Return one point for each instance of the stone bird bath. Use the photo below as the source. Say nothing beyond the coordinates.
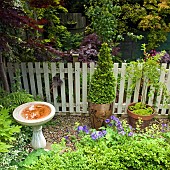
(35, 114)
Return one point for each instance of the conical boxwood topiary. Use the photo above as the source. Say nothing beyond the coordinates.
(102, 85)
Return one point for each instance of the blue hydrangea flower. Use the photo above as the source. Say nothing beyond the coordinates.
(114, 118)
(119, 126)
(66, 137)
(110, 124)
(130, 127)
(164, 124)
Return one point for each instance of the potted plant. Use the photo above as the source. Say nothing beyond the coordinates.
(146, 71)
(102, 88)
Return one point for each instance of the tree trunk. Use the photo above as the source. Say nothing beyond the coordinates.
(3, 75)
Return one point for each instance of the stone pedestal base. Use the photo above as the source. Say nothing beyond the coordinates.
(38, 139)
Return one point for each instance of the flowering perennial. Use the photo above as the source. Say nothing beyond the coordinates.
(112, 122)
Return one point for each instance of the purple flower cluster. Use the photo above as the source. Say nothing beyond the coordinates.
(98, 134)
(94, 135)
(164, 127)
(83, 129)
(118, 125)
(164, 59)
(113, 121)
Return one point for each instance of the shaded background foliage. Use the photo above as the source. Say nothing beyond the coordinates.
(31, 30)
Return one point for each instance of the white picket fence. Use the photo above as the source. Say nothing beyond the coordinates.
(66, 85)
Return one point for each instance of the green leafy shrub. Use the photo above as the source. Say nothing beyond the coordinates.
(7, 130)
(104, 19)
(102, 85)
(13, 100)
(113, 147)
(10, 160)
(147, 72)
(32, 158)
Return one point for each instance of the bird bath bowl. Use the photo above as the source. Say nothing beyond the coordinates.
(35, 114)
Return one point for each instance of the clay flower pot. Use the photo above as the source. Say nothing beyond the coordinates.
(133, 118)
(99, 113)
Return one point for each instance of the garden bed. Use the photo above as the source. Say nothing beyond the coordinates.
(62, 126)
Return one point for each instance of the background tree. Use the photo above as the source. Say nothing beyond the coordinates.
(147, 16)
(14, 26)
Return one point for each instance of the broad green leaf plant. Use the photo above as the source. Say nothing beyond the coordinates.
(7, 130)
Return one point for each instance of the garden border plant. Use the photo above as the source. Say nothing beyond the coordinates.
(147, 72)
(114, 147)
(14, 138)
(102, 88)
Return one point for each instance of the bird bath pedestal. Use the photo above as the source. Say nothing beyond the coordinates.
(35, 114)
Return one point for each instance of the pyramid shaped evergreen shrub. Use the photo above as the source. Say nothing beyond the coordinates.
(102, 85)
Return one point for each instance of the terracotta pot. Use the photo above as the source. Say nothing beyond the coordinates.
(133, 118)
(99, 113)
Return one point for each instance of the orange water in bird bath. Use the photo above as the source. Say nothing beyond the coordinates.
(36, 111)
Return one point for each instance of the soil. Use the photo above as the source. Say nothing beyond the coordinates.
(62, 126)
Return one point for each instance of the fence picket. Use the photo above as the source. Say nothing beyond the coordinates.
(31, 79)
(84, 87)
(168, 86)
(136, 92)
(46, 81)
(121, 91)
(115, 70)
(38, 78)
(54, 85)
(91, 69)
(144, 89)
(70, 87)
(150, 101)
(18, 75)
(11, 71)
(163, 111)
(158, 99)
(77, 86)
(128, 97)
(63, 91)
(24, 76)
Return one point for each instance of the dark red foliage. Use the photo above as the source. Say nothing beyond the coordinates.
(13, 18)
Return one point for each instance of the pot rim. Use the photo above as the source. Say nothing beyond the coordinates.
(136, 116)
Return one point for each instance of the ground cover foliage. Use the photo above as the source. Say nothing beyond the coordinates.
(116, 146)
(13, 137)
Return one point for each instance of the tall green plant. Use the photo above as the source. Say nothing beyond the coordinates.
(147, 71)
(102, 85)
(104, 19)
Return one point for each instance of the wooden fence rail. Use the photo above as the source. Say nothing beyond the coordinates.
(66, 85)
